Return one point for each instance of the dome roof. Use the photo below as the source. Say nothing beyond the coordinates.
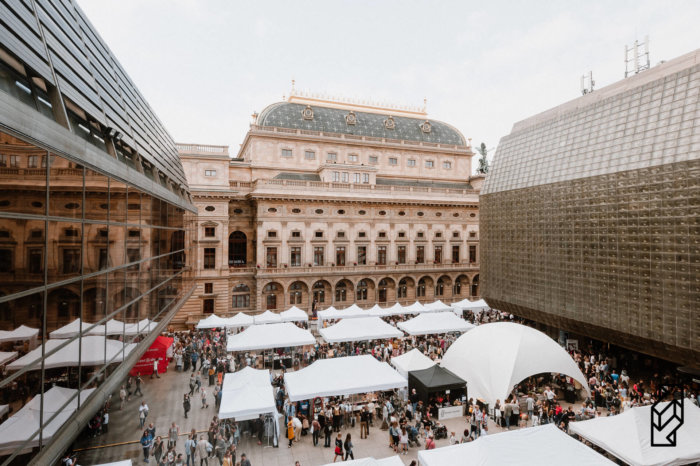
(334, 120)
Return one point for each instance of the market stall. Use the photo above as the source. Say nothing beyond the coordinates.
(360, 329)
(434, 323)
(342, 376)
(267, 317)
(7, 356)
(436, 306)
(212, 321)
(294, 314)
(21, 333)
(240, 320)
(92, 353)
(436, 381)
(259, 337)
(159, 350)
(414, 360)
(415, 308)
(390, 461)
(74, 328)
(474, 306)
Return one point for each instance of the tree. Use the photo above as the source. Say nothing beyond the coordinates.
(483, 161)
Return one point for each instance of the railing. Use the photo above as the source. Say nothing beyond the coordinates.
(402, 142)
(348, 269)
(201, 149)
(335, 186)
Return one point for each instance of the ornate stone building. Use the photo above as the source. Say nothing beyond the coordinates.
(334, 202)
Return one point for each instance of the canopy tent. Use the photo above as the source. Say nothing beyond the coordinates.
(7, 356)
(157, 351)
(118, 463)
(414, 360)
(436, 306)
(269, 336)
(212, 321)
(522, 352)
(246, 394)
(20, 333)
(267, 317)
(341, 376)
(349, 312)
(25, 422)
(533, 446)
(115, 327)
(240, 320)
(628, 436)
(4, 409)
(93, 353)
(72, 329)
(474, 306)
(142, 326)
(435, 379)
(360, 329)
(437, 322)
(376, 311)
(294, 314)
(415, 308)
(390, 461)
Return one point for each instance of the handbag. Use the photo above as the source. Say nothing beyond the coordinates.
(338, 451)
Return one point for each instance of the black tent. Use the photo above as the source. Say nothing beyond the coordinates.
(436, 379)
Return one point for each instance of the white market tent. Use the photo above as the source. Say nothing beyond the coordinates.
(7, 356)
(349, 312)
(436, 306)
(390, 461)
(246, 394)
(212, 321)
(342, 376)
(115, 327)
(521, 352)
(474, 306)
(415, 308)
(240, 320)
(628, 436)
(25, 422)
(267, 317)
(72, 329)
(142, 326)
(20, 333)
(437, 322)
(294, 314)
(414, 360)
(118, 463)
(533, 446)
(360, 329)
(93, 353)
(4, 409)
(257, 337)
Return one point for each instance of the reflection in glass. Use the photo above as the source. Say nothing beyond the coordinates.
(96, 196)
(117, 201)
(66, 188)
(22, 176)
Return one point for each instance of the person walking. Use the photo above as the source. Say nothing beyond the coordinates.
(220, 449)
(244, 460)
(122, 397)
(105, 422)
(202, 450)
(327, 432)
(364, 423)
(155, 368)
(290, 432)
(403, 440)
(143, 413)
(186, 405)
(138, 386)
(129, 383)
(338, 448)
(173, 433)
(348, 447)
(146, 443)
(190, 447)
(315, 430)
(158, 449)
(204, 398)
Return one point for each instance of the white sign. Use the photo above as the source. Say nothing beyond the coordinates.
(450, 412)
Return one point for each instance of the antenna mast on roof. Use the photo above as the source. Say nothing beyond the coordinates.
(637, 57)
(587, 83)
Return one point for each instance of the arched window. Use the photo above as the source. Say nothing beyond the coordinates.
(295, 293)
(237, 249)
(362, 290)
(475, 286)
(402, 292)
(240, 297)
(271, 299)
(439, 287)
(383, 284)
(457, 287)
(319, 290)
(420, 289)
(341, 292)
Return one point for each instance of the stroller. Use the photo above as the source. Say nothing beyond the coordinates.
(440, 431)
(413, 437)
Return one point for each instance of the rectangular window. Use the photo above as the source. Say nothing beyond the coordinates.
(447, 165)
(208, 288)
(402, 234)
(362, 255)
(286, 152)
(401, 255)
(71, 260)
(393, 161)
(310, 155)
(353, 158)
(365, 178)
(32, 161)
(296, 234)
(208, 307)
(295, 256)
(345, 177)
(472, 254)
(362, 234)
(336, 176)
(272, 234)
(373, 159)
(438, 234)
(3, 161)
(420, 254)
(133, 255)
(271, 257)
(209, 232)
(455, 234)
(103, 259)
(356, 178)
(420, 234)
(382, 234)
(331, 156)
(411, 162)
(36, 261)
(209, 172)
(455, 254)
(438, 254)
(14, 161)
(340, 255)
(341, 234)
(319, 258)
(209, 258)
(381, 255)
(429, 164)
(318, 234)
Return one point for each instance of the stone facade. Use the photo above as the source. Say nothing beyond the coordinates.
(302, 215)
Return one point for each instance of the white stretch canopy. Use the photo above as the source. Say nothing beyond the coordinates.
(115, 327)
(240, 320)
(72, 329)
(414, 308)
(390, 461)
(521, 352)
(7, 356)
(294, 314)
(533, 446)
(93, 353)
(474, 306)
(628, 436)
(269, 336)
(20, 333)
(435, 322)
(118, 463)
(25, 422)
(414, 360)
(342, 376)
(360, 329)
(142, 326)
(246, 394)
(350, 312)
(267, 317)
(212, 321)
(436, 306)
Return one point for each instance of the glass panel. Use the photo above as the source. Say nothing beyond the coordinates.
(21, 311)
(22, 189)
(65, 252)
(117, 201)
(95, 298)
(133, 211)
(97, 241)
(66, 187)
(96, 196)
(116, 245)
(62, 306)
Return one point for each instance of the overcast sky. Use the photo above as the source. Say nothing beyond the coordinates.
(206, 66)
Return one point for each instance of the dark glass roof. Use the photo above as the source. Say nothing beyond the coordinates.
(332, 120)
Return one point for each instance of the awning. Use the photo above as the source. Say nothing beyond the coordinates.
(73, 329)
(342, 376)
(294, 314)
(390, 461)
(269, 336)
(267, 317)
(246, 394)
(240, 320)
(7, 356)
(350, 312)
(93, 353)
(415, 308)
(20, 333)
(212, 321)
(433, 323)
(360, 329)
(436, 306)
(414, 360)
(474, 306)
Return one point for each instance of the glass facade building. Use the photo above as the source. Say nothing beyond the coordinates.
(96, 225)
(590, 216)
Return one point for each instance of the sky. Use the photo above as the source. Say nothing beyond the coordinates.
(206, 66)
